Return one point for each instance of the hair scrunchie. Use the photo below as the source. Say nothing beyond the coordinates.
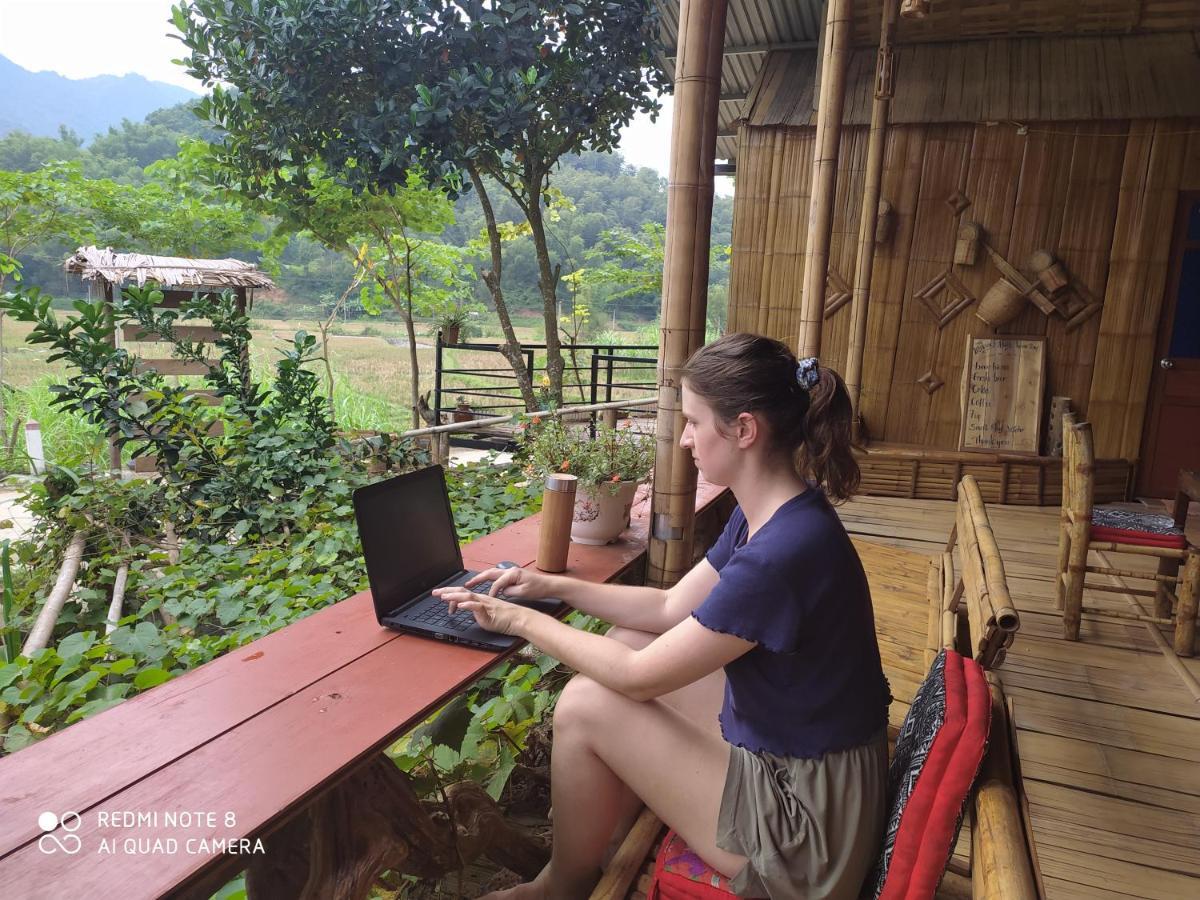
(806, 373)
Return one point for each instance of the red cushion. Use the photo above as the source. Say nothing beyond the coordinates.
(679, 874)
(937, 756)
(1138, 538)
(916, 816)
(945, 815)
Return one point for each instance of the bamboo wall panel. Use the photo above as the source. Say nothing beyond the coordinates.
(1143, 76)
(1067, 204)
(843, 248)
(1150, 178)
(904, 155)
(770, 228)
(1083, 244)
(757, 150)
(1039, 212)
(943, 174)
(1101, 200)
(991, 188)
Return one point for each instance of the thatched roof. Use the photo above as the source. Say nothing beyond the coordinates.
(169, 271)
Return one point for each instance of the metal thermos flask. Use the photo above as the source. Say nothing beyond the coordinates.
(558, 506)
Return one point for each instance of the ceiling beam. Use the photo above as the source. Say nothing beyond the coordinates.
(745, 49)
(736, 97)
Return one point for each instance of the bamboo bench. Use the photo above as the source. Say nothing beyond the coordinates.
(279, 742)
(971, 612)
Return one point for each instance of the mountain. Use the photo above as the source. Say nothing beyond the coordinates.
(39, 102)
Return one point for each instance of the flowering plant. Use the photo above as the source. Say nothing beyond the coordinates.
(613, 456)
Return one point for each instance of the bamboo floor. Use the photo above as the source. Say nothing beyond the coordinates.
(1108, 733)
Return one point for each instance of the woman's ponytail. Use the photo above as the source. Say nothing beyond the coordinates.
(805, 404)
(825, 455)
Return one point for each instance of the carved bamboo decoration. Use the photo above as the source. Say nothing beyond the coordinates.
(867, 227)
(685, 277)
(824, 175)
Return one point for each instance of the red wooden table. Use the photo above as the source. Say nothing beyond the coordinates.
(229, 750)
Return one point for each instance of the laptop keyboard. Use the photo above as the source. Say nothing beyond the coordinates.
(438, 615)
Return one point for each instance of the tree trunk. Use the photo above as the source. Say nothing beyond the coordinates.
(373, 821)
(412, 337)
(511, 348)
(548, 283)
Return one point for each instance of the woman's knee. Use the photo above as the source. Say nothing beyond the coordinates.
(584, 703)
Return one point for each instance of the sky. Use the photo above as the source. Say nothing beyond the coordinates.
(83, 38)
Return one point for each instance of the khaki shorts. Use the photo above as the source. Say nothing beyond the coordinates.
(809, 827)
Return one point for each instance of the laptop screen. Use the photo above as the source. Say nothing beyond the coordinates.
(408, 536)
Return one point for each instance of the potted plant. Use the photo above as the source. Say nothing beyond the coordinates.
(609, 468)
(453, 317)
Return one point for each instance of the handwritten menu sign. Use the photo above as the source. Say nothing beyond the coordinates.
(1002, 394)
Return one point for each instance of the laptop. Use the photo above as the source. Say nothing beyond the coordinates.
(410, 547)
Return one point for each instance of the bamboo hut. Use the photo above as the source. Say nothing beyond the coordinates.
(1035, 154)
(922, 187)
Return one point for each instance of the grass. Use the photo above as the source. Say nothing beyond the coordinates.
(369, 358)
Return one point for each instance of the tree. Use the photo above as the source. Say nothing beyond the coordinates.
(34, 207)
(386, 235)
(632, 264)
(459, 91)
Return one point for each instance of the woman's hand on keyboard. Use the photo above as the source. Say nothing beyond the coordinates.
(512, 583)
(491, 613)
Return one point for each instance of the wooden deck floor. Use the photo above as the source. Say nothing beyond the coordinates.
(1108, 733)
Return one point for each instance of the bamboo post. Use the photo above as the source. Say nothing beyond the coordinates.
(935, 598)
(685, 278)
(1179, 510)
(866, 223)
(44, 626)
(627, 863)
(824, 174)
(1000, 865)
(1185, 610)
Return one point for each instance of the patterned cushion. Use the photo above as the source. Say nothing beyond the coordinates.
(938, 753)
(1127, 526)
(679, 874)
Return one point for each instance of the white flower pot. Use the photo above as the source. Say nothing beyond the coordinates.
(601, 514)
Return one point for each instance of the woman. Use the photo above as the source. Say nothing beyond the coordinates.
(773, 629)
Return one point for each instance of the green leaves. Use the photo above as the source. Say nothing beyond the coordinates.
(10, 639)
(148, 678)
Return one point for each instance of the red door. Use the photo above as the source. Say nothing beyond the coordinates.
(1172, 438)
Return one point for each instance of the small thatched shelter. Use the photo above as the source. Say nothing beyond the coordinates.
(94, 264)
(180, 278)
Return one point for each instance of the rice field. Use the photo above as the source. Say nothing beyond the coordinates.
(369, 360)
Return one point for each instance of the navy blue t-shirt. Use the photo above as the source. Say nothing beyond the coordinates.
(814, 684)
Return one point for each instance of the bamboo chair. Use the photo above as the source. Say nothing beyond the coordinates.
(970, 612)
(980, 590)
(1176, 583)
